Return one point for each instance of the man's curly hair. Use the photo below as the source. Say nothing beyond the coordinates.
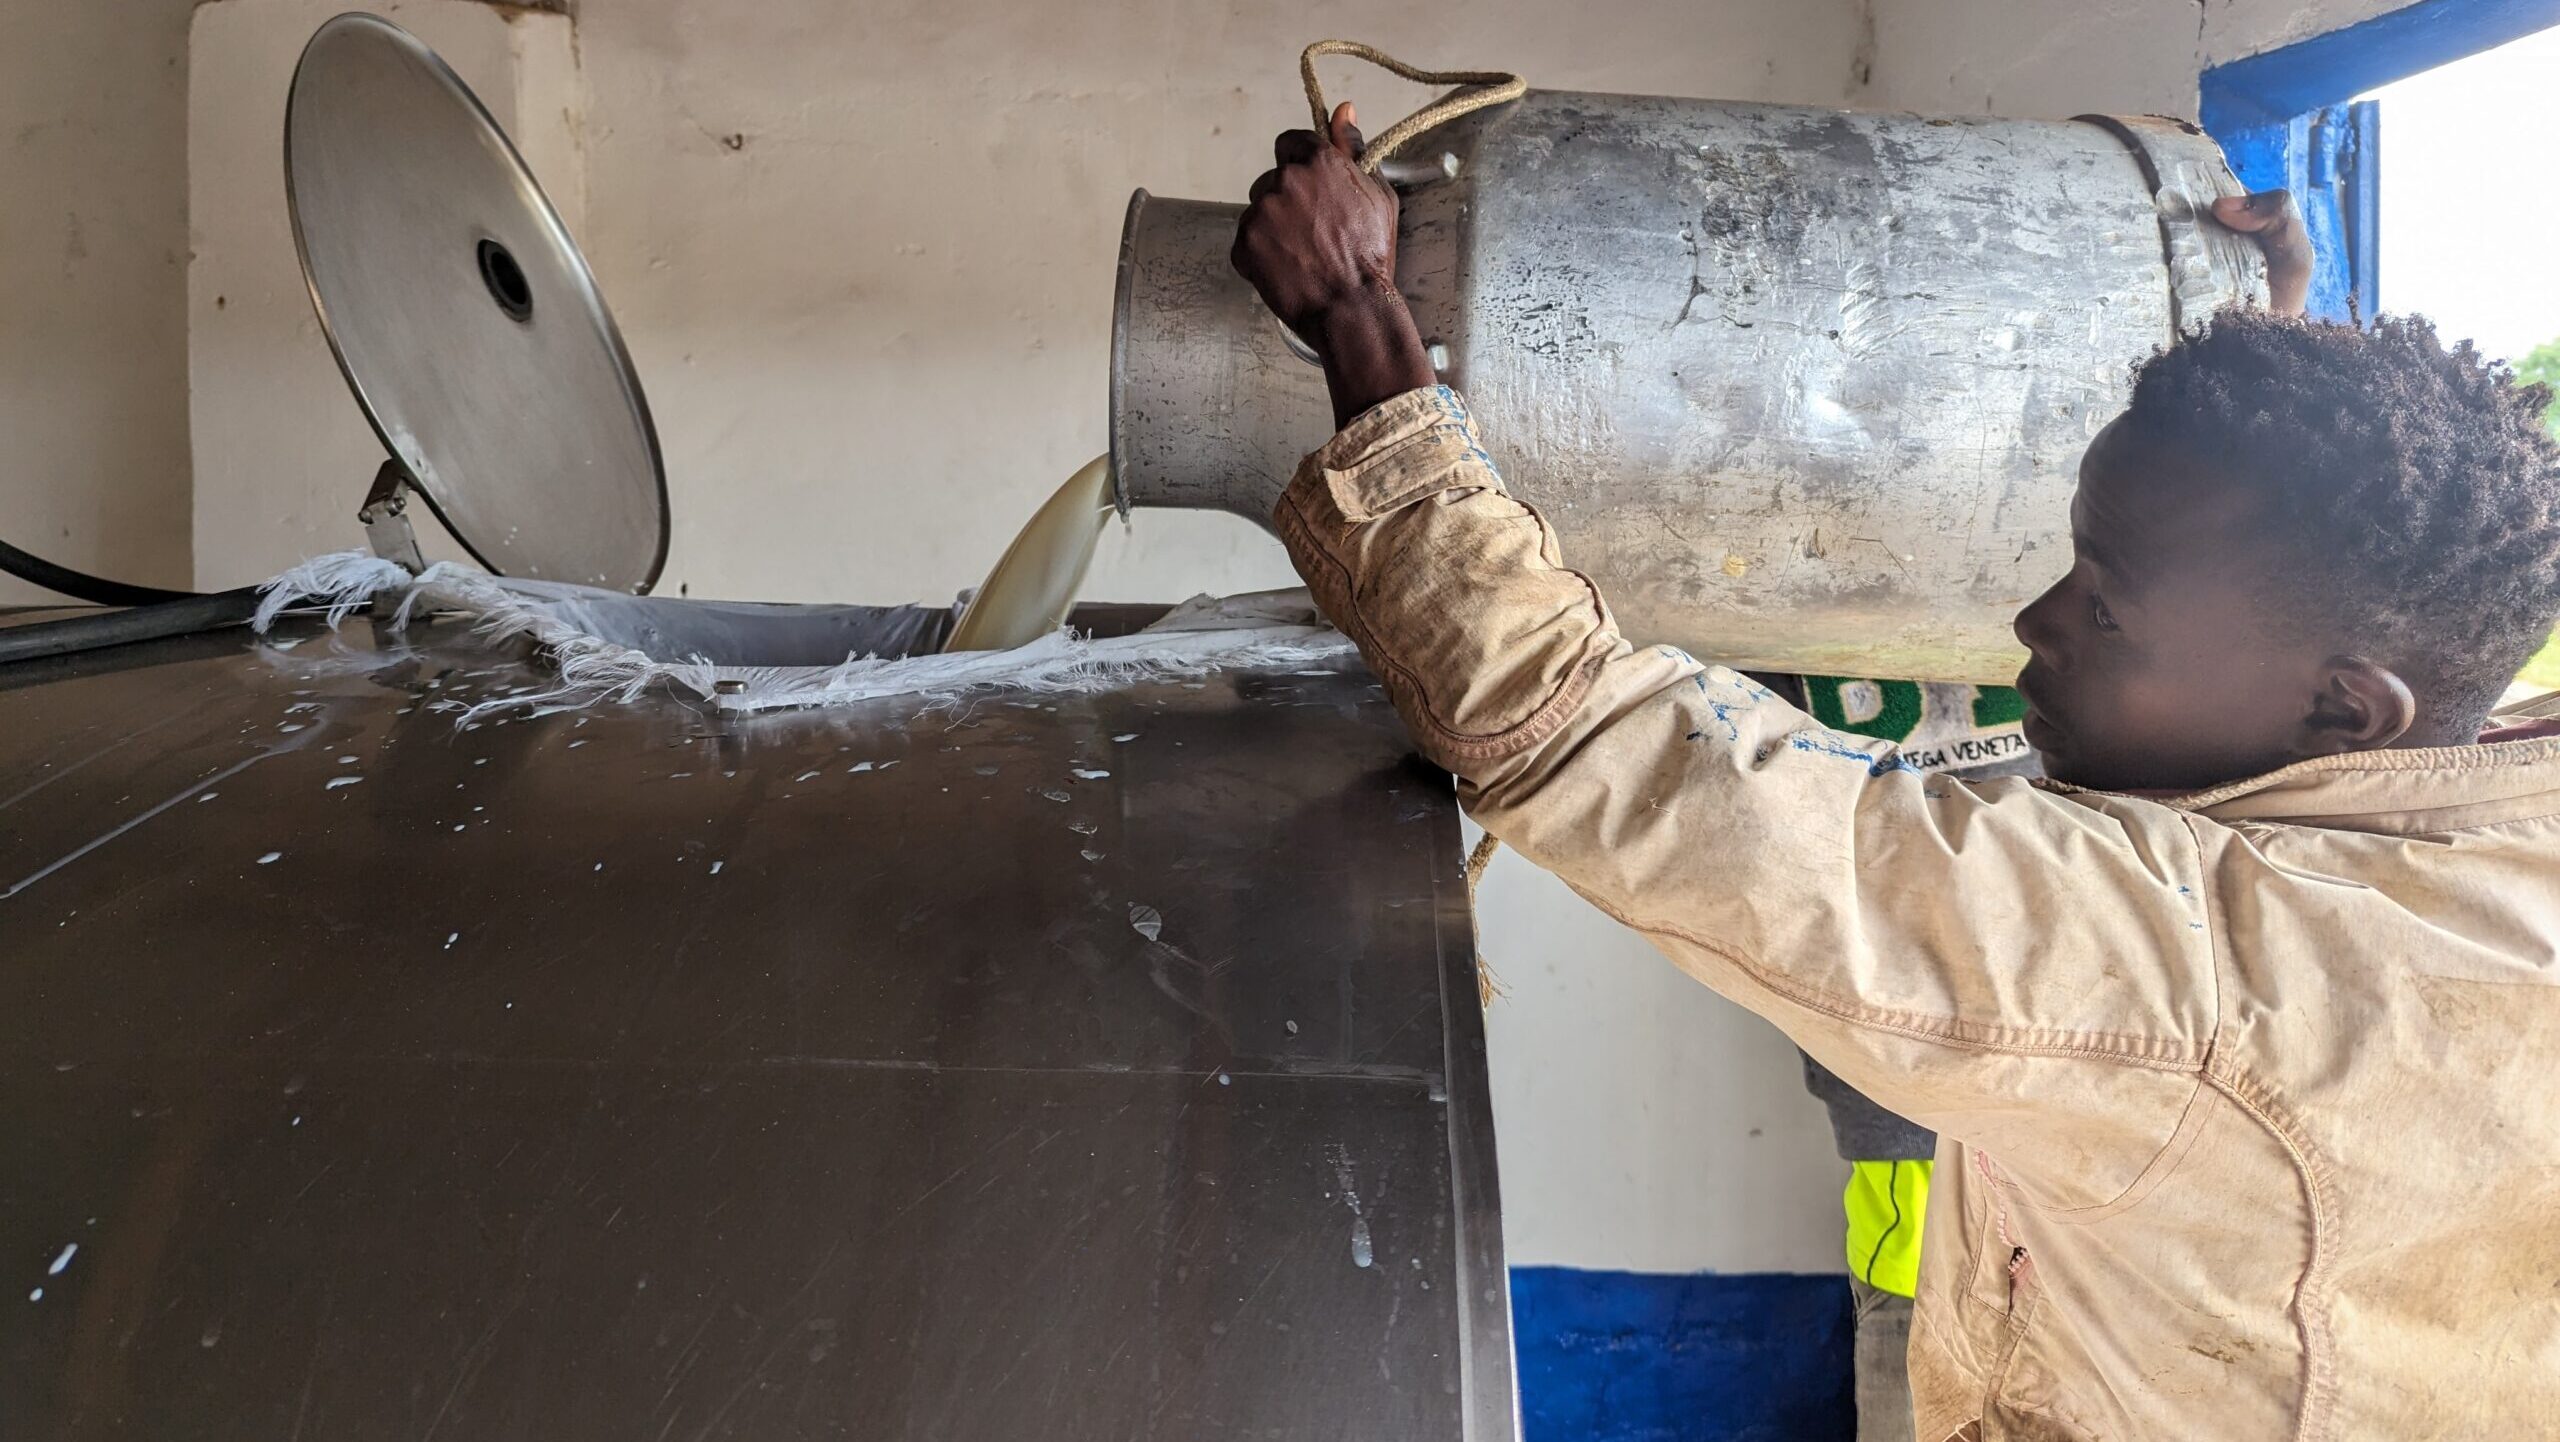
(2413, 486)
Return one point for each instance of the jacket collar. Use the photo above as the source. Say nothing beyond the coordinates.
(2513, 773)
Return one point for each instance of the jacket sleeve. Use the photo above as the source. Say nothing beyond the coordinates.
(1986, 960)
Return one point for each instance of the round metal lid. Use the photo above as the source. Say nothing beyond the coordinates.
(464, 318)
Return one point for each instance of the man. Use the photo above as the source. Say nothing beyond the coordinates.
(2239, 1044)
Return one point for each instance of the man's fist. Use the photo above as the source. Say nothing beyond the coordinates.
(1319, 232)
(2272, 219)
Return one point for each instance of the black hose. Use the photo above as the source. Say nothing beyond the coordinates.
(79, 585)
(183, 616)
(149, 613)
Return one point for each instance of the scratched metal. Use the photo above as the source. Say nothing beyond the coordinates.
(640, 1072)
(1802, 389)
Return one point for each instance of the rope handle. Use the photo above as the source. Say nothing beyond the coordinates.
(1479, 90)
(1488, 986)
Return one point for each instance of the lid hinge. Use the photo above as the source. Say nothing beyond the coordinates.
(385, 514)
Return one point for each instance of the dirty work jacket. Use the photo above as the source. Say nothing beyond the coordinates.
(2246, 1099)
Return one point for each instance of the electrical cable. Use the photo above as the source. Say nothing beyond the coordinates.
(80, 585)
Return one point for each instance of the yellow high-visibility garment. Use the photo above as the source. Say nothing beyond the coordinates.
(1886, 1202)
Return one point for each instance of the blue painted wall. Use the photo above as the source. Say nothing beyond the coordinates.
(2285, 119)
(2331, 69)
(1633, 1357)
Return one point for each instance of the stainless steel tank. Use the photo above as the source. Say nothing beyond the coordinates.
(1802, 389)
(1073, 1067)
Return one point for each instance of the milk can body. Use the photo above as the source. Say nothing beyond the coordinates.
(1801, 389)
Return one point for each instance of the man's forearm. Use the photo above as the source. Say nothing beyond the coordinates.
(1371, 352)
(1403, 532)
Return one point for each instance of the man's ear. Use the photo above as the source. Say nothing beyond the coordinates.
(2361, 706)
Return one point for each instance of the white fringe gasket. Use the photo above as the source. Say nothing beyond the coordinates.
(1269, 630)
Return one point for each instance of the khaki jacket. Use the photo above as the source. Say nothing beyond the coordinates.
(2246, 1098)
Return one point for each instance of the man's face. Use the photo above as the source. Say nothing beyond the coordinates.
(2153, 664)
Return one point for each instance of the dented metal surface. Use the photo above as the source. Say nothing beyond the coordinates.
(641, 1072)
(1802, 389)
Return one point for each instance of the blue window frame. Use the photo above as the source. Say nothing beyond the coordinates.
(2290, 118)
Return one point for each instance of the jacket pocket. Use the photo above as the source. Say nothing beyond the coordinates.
(1444, 457)
(2002, 1293)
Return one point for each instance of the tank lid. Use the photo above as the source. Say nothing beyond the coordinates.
(464, 318)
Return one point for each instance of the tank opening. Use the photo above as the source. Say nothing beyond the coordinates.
(759, 633)
(506, 282)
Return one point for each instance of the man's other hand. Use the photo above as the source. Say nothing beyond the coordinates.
(2272, 219)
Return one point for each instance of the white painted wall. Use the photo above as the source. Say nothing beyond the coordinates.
(864, 253)
(1645, 1123)
(2038, 58)
(93, 255)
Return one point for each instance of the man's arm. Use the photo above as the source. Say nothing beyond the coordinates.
(2012, 967)
(1982, 959)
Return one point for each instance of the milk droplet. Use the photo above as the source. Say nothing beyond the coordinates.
(1146, 921)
